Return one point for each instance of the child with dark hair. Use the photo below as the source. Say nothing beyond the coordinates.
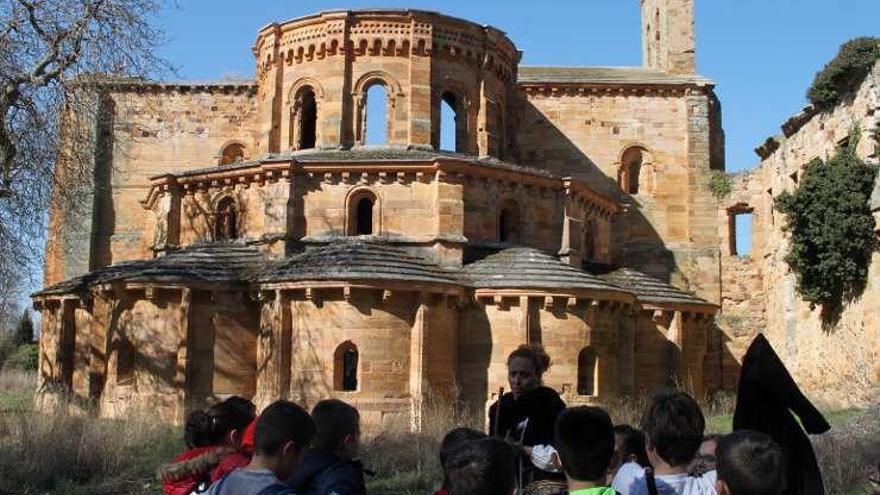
(673, 426)
(705, 459)
(282, 432)
(584, 439)
(481, 467)
(454, 439)
(629, 446)
(750, 463)
(330, 465)
(213, 438)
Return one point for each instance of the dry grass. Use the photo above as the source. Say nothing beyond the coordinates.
(75, 455)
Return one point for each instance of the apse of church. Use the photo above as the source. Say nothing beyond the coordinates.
(258, 246)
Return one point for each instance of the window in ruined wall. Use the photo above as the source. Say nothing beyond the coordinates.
(125, 357)
(345, 367)
(226, 220)
(376, 108)
(587, 371)
(232, 153)
(362, 213)
(509, 222)
(304, 120)
(740, 228)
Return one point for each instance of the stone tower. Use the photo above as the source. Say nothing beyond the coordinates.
(668, 41)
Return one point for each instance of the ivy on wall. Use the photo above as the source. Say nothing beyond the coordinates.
(845, 72)
(832, 229)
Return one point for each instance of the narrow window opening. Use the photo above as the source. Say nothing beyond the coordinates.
(589, 240)
(587, 372)
(231, 154)
(226, 220)
(508, 223)
(345, 372)
(451, 132)
(376, 132)
(741, 229)
(308, 122)
(364, 217)
(630, 171)
(125, 356)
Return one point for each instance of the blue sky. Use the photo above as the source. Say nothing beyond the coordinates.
(761, 53)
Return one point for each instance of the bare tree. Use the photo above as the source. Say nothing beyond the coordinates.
(56, 57)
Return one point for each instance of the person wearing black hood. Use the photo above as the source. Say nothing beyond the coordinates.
(330, 467)
(766, 398)
(527, 414)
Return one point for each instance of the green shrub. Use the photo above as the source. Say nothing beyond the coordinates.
(832, 230)
(845, 72)
(7, 347)
(720, 184)
(24, 358)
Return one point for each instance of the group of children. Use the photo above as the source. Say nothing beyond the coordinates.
(284, 451)
(287, 451)
(598, 458)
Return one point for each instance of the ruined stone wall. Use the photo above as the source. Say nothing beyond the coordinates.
(837, 366)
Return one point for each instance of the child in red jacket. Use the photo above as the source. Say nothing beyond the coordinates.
(214, 438)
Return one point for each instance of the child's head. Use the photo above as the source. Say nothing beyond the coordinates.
(749, 463)
(283, 431)
(222, 423)
(337, 427)
(629, 446)
(453, 440)
(673, 426)
(481, 467)
(584, 439)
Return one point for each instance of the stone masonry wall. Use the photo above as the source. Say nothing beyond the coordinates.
(840, 366)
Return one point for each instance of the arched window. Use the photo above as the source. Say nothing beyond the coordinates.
(345, 367)
(630, 169)
(226, 220)
(453, 124)
(362, 213)
(587, 371)
(125, 355)
(232, 153)
(508, 222)
(376, 120)
(304, 120)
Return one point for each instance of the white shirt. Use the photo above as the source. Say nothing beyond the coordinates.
(630, 480)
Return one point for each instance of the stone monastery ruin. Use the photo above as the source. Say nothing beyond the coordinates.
(245, 240)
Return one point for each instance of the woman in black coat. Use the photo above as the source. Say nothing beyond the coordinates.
(528, 412)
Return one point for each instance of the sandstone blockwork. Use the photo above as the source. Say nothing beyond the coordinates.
(245, 239)
(839, 366)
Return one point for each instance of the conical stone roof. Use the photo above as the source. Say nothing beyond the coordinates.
(357, 259)
(527, 268)
(651, 290)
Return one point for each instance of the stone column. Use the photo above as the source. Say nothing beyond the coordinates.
(418, 357)
(180, 377)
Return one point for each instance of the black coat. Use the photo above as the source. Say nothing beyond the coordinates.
(321, 473)
(767, 395)
(541, 406)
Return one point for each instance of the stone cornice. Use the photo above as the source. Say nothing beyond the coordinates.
(449, 170)
(553, 89)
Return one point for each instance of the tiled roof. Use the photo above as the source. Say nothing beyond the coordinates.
(526, 268)
(356, 258)
(651, 290)
(209, 263)
(604, 75)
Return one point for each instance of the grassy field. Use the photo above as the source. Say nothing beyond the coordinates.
(63, 454)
